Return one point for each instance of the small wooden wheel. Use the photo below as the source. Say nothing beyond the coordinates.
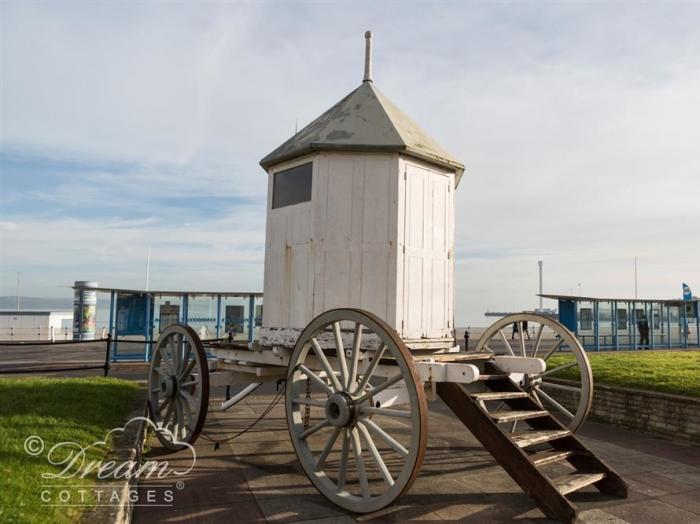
(560, 349)
(348, 372)
(178, 387)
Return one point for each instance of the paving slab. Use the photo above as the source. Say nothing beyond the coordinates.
(653, 511)
(257, 478)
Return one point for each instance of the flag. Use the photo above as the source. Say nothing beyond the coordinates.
(687, 294)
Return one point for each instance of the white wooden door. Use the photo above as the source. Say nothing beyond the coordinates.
(428, 243)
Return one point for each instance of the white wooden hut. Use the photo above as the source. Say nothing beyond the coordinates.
(360, 213)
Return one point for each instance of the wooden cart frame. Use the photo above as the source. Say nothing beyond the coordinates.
(356, 402)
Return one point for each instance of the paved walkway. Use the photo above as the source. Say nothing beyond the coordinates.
(256, 478)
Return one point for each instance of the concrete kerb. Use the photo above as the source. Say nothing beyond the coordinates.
(127, 446)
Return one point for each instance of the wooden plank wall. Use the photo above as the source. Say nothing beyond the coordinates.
(355, 229)
(345, 248)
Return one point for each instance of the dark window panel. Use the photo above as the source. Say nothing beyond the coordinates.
(292, 186)
(586, 316)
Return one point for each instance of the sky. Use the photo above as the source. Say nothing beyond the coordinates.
(125, 125)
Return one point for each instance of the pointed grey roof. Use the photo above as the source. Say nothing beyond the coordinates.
(365, 120)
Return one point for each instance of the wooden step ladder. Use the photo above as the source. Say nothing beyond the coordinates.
(525, 454)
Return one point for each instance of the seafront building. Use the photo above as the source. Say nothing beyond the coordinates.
(630, 323)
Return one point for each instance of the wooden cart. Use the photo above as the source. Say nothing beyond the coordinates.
(361, 214)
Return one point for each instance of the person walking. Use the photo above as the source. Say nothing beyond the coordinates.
(516, 329)
(643, 327)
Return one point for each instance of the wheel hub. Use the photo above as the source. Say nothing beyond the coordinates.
(340, 409)
(168, 386)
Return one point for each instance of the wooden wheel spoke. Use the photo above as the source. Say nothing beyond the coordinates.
(356, 343)
(340, 354)
(327, 448)
(189, 398)
(556, 370)
(521, 325)
(563, 387)
(381, 387)
(369, 410)
(555, 404)
(318, 380)
(360, 463)
(313, 429)
(164, 404)
(326, 365)
(187, 409)
(166, 361)
(169, 355)
(185, 359)
(538, 340)
(188, 369)
(370, 370)
(168, 412)
(343, 468)
(537, 398)
(177, 356)
(505, 341)
(177, 420)
(388, 439)
(551, 351)
(376, 456)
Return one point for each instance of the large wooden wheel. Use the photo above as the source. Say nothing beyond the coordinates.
(360, 444)
(565, 388)
(178, 387)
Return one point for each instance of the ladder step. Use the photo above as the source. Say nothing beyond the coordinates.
(549, 457)
(515, 454)
(530, 438)
(575, 481)
(498, 395)
(510, 416)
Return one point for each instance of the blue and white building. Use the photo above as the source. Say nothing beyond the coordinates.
(621, 323)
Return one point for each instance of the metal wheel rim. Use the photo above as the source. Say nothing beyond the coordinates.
(418, 415)
(519, 347)
(178, 409)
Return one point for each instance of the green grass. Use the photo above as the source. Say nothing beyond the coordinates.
(675, 372)
(80, 410)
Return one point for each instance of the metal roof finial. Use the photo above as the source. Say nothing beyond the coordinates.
(368, 57)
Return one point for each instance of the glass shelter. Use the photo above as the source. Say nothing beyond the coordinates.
(625, 323)
(136, 318)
